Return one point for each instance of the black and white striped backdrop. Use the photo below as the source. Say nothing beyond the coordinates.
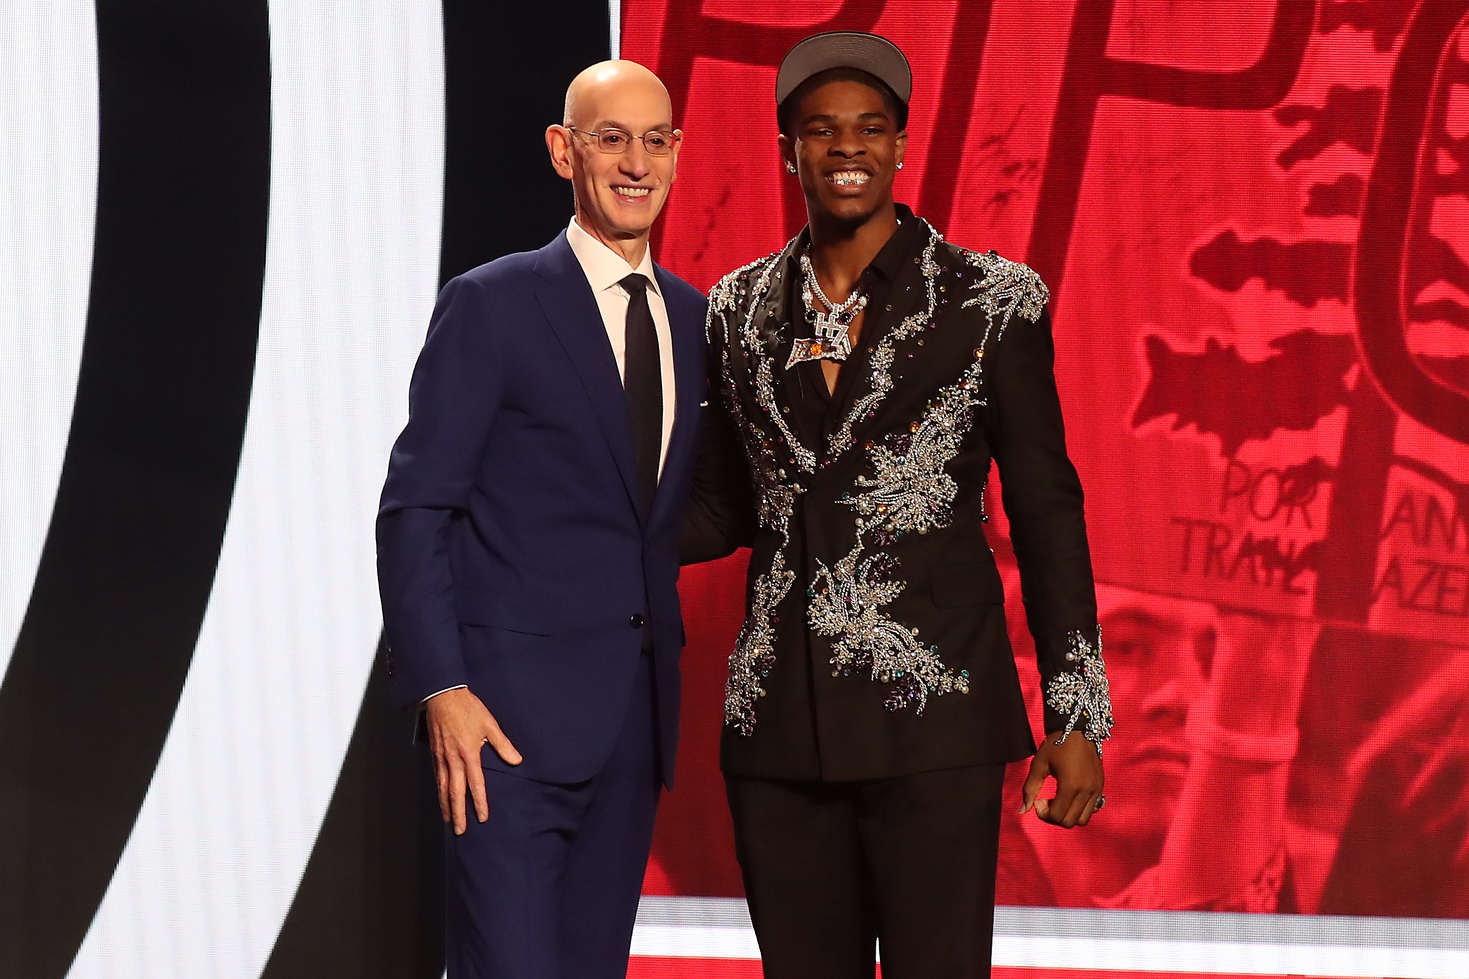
(223, 226)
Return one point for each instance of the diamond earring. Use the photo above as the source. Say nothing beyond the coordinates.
(900, 166)
(791, 167)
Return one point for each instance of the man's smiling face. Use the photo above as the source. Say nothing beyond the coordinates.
(846, 146)
(618, 195)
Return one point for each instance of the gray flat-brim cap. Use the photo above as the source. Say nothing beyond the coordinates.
(845, 49)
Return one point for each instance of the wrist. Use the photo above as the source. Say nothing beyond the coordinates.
(1062, 736)
(440, 693)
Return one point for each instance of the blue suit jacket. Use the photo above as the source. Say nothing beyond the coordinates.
(512, 554)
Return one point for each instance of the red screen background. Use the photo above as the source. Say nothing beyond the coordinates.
(1254, 220)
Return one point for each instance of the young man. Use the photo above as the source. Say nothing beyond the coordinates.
(867, 375)
(527, 552)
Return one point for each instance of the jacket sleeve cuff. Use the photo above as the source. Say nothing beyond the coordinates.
(1080, 694)
(458, 686)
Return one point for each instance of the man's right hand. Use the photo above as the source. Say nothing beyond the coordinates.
(459, 725)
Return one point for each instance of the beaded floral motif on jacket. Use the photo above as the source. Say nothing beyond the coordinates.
(909, 491)
(759, 449)
(753, 656)
(1005, 288)
(1082, 695)
(846, 603)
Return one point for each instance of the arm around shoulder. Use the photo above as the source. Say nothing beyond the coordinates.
(720, 517)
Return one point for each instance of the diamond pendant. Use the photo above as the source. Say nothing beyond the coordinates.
(830, 342)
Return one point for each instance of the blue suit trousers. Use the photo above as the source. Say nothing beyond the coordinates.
(548, 887)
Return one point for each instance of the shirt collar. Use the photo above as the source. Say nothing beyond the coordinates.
(890, 260)
(603, 267)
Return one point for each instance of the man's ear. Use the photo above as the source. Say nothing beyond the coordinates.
(558, 144)
(787, 150)
(902, 147)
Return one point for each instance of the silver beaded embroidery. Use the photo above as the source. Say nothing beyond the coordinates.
(1006, 288)
(764, 370)
(723, 299)
(846, 603)
(1082, 695)
(880, 380)
(909, 491)
(754, 653)
(765, 395)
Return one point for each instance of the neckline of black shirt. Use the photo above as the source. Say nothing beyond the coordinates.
(813, 403)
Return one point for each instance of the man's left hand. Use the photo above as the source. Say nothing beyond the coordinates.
(1077, 767)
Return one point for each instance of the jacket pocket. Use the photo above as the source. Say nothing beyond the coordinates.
(517, 612)
(968, 584)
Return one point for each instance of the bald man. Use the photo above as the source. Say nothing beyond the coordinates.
(527, 552)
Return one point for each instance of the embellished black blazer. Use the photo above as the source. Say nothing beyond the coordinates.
(874, 643)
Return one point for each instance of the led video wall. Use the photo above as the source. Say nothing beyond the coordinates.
(1254, 221)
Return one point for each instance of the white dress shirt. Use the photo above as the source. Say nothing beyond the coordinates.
(604, 269)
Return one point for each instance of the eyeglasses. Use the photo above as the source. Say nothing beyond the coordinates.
(655, 141)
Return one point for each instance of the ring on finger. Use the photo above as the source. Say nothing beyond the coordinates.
(1101, 801)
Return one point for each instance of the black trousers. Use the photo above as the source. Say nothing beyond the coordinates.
(907, 863)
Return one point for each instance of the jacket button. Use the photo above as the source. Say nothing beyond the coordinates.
(636, 621)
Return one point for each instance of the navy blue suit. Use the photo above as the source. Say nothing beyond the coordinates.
(514, 557)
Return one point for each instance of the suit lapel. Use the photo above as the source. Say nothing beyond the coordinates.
(855, 380)
(885, 339)
(566, 298)
(777, 323)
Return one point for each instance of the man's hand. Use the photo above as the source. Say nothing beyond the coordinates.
(1077, 768)
(459, 725)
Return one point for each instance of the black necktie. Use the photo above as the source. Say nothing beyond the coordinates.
(642, 381)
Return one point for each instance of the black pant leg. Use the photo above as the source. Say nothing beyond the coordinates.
(801, 857)
(932, 843)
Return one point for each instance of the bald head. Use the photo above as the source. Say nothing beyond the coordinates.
(597, 91)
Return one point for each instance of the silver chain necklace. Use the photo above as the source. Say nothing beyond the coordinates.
(829, 339)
